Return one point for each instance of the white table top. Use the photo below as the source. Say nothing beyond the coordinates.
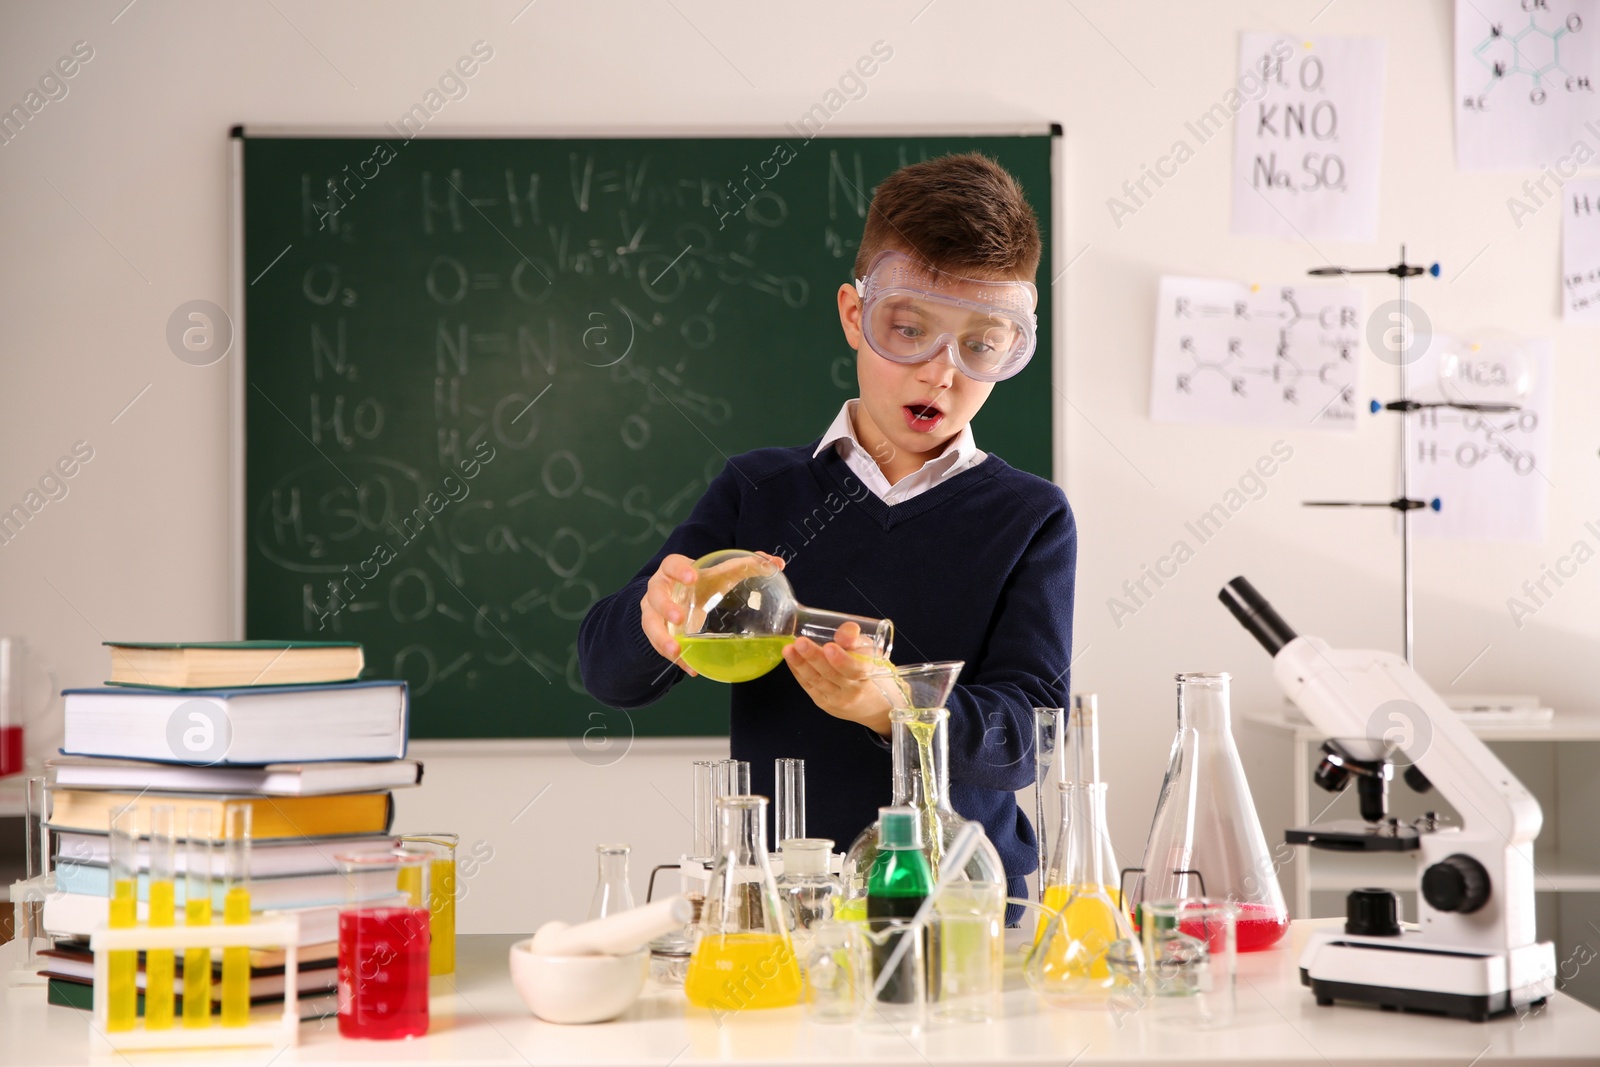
(477, 1019)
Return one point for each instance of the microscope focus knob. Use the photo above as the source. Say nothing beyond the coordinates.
(1456, 883)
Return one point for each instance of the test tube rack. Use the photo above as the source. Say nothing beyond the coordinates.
(280, 931)
(24, 894)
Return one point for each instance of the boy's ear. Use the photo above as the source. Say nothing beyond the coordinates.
(850, 315)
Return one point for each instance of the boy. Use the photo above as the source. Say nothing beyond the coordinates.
(971, 558)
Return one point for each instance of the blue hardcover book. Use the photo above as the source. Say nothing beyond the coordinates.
(251, 726)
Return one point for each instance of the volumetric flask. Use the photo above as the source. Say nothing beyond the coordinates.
(741, 612)
(383, 944)
(1190, 949)
(1205, 839)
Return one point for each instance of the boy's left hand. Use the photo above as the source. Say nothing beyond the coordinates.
(837, 681)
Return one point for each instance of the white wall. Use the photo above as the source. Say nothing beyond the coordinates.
(115, 207)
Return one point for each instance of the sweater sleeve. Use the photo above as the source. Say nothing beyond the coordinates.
(618, 666)
(1025, 664)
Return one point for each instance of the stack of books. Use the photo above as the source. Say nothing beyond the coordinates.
(283, 727)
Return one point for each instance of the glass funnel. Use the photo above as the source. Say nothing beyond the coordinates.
(920, 751)
(744, 958)
(741, 612)
(1206, 840)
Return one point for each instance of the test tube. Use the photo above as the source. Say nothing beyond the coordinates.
(730, 778)
(789, 794)
(122, 1003)
(197, 850)
(441, 850)
(705, 810)
(1049, 730)
(11, 706)
(159, 963)
(236, 912)
(36, 849)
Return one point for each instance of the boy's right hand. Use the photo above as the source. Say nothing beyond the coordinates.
(657, 609)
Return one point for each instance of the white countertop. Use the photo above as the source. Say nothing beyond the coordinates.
(477, 1019)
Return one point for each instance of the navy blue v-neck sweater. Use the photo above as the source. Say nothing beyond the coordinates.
(979, 568)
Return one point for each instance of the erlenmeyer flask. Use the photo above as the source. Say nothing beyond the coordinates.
(1205, 839)
(611, 893)
(1075, 949)
(920, 751)
(741, 612)
(744, 958)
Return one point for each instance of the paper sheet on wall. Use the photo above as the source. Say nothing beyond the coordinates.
(1306, 150)
(1580, 250)
(1526, 72)
(1488, 470)
(1256, 355)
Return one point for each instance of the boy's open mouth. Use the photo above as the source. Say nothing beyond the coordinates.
(923, 417)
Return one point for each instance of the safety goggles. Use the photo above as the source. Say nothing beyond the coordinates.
(911, 313)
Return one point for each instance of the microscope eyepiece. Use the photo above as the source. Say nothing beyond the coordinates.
(1256, 615)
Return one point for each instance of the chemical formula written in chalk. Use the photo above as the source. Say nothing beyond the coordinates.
(1256, 355)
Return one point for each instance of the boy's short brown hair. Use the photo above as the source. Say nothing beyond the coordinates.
(964, 214)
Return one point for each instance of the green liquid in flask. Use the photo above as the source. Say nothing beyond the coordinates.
(732, 657)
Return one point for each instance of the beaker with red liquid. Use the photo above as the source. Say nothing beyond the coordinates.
(383, 945)
(1206, 840)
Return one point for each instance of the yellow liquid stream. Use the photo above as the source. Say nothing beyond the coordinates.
(732, 972)
(730, 658)
(1090, 927)
(159, 963)
(122, 996)
(932, 839)
(197, 968)
(441, 910)
(236, 961)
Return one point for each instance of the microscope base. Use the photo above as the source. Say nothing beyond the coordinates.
(1445, 980)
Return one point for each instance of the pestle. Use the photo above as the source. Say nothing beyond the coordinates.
(614, 935)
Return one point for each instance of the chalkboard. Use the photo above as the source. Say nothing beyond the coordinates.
(485, 377)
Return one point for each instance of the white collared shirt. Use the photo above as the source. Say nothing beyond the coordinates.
(962, 453)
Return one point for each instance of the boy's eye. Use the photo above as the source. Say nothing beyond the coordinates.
(909, 331)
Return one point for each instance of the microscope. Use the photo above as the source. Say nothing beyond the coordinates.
(1473, 953)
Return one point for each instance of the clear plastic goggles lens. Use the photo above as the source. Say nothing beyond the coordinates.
(906, 329)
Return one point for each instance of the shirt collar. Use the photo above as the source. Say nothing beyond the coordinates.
(842, 433)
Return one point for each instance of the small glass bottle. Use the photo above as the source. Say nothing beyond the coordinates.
(900, 881)
(806, 889)
(744, 958)
(1206, 840)
(611, 893)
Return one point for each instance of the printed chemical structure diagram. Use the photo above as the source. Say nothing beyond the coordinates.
(1532, 52)
(1479, 439)
(1256, 355)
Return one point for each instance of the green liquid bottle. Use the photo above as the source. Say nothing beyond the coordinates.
(899, 883)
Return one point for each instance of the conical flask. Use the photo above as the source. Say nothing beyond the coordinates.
(741, 612)
(920, 753)
(744, 957)
(1205, 839)
(1085, 945)
(611, 892)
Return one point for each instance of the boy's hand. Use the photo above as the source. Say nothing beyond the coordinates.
(837, 681)
(657, 607)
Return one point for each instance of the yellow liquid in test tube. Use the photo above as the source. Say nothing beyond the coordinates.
(197, 968)
(236, 961)
(731, 972)
(122, 994)
(159, 963)
(441, 910)
(1090, 922)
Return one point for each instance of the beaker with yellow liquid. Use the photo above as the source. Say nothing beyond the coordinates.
(740, 614)
(744, 959)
